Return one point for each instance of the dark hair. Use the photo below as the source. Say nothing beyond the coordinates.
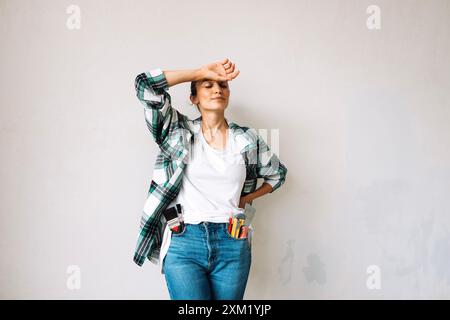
(194, 92)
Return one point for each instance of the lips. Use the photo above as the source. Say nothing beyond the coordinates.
(218, 98)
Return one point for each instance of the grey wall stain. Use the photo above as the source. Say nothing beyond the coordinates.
(285, 268)
(440, 258)
(418, 242)
(410, 226)
(315, 269)
(382, 197)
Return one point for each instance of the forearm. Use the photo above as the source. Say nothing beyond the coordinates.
(262, 190)
(174, 77)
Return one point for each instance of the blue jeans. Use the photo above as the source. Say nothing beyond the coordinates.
(204, 262)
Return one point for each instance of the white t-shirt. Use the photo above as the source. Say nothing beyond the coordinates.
(211, 187)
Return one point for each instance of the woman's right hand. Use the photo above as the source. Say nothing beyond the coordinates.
(223, 70)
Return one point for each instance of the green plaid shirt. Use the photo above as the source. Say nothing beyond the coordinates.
(174, 133)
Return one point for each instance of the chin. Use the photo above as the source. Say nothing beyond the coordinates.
(217, 106)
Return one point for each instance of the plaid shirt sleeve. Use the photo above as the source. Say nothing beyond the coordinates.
(269, 166)
(151, 90)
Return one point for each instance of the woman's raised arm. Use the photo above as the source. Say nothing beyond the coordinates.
(223, 70)
(152, 91)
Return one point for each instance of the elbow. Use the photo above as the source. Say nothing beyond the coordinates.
(281, 178)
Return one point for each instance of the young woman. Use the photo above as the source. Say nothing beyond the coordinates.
(206, 171)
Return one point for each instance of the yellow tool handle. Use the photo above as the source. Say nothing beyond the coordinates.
(233, 230)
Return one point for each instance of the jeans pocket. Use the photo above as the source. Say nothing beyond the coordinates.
(232, 238)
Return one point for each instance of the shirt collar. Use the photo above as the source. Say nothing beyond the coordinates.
(242, 140)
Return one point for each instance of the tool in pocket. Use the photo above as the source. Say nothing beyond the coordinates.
(239, 224)
(174, 218)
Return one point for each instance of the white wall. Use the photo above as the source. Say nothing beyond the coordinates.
(362, 115)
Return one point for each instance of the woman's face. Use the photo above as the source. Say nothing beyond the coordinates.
(211, 95)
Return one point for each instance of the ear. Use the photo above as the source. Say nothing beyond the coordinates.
(194, 100)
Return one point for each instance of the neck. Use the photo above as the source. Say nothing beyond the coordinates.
(213, 122)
